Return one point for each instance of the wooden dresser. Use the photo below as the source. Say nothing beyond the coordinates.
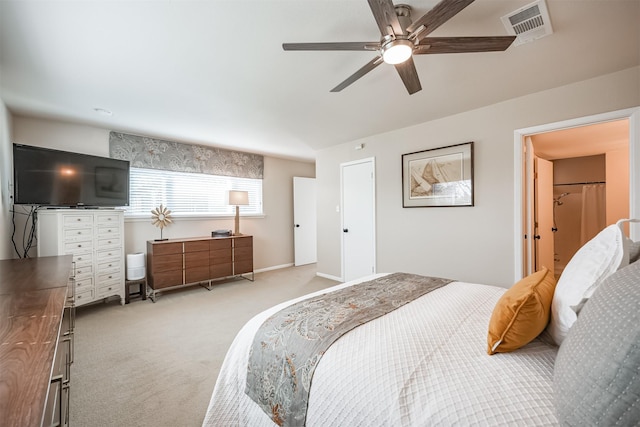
(182, 262)
(36, 348)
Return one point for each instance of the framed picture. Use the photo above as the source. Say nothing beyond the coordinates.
(438, 177)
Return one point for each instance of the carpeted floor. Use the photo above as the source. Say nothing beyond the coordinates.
(155, 364)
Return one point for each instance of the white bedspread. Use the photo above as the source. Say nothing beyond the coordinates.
(424, 364)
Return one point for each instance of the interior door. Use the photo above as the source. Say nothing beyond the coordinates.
(543, 212)
(304, 221)
(358, 219)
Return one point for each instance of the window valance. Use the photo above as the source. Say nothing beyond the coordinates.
(151, 153)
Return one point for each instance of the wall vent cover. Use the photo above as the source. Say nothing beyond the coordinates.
(528, 23)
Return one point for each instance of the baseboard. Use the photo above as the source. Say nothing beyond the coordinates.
(330, 277)
(275, 267)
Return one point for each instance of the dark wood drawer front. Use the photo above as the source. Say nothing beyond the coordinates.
(219, 244)
(166, 279)
(221, 270)
(196, 246)
(220, 256)
(242, 254)
(162, 263)
(196, 259)
(167, 248)
(243, 242)
(241, 267)
(196, 274)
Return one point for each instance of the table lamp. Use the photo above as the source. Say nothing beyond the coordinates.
(238, 198)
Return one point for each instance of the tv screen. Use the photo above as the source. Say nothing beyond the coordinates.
(46, 177)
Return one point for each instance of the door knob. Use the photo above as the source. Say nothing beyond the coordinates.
(346, 230)
(297, 225)
(537, 236)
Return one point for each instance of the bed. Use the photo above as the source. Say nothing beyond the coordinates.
(427, 361)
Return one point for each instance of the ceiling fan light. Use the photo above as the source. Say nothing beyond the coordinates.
(397, 51)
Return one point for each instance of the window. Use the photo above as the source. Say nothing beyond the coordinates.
(189, 193)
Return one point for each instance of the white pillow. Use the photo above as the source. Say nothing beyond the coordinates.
(598, 258)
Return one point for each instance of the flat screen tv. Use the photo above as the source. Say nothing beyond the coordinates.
(46, 177)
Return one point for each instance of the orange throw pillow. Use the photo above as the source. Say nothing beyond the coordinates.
(522, 313)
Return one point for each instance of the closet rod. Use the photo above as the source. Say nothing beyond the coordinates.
(582, 183)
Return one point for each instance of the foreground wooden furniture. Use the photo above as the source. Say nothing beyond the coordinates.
(36, 341)
(182, 262)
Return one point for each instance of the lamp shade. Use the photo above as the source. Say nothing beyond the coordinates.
(238, 197)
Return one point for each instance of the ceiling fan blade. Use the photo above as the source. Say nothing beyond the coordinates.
(332, 46)
(463, 44)
(409, 76)
(437, 16)
(361, 72)
(385, 14)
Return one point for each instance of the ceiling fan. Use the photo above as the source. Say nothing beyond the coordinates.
(401, 39)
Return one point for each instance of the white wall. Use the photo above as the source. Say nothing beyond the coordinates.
(6, 249)
(464, 243)
(273, 233)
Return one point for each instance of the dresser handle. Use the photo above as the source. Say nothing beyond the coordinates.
(79, 246)
(79, 219)
(79, 232)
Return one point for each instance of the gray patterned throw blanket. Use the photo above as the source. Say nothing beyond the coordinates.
(288, 346)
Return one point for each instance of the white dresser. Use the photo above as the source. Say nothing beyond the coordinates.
(95, 238)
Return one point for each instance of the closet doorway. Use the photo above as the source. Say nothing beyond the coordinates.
(591, 166)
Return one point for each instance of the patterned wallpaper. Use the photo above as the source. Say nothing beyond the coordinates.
(144, 152)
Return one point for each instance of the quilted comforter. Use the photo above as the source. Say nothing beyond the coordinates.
(424, 363)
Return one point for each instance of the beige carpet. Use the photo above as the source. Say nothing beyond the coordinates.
(155, 364)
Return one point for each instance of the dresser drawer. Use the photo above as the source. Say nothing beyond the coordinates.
(109, 266)
(108, 230)
(105, 242)
(196, 274)
(78, 247)
(167, 248)
(162, 263)
(82, 258)
(86, 269)
(73, 234)
(77, 220)
(108, 253)
(196, 259)
(166, 279)
(84, 297)
(215, 244)
(242, 242)
(196, 246)
(84, 283)
(108, 276)
(108, 218)
(108, 289)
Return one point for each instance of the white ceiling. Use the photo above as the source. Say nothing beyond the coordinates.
(214, 72)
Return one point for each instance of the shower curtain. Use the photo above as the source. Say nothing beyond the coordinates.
(593, 211)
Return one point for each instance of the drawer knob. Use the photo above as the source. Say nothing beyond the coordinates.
(109, 241)
(79, 246)
(110, 277)
(79, 219)
(110, 265)
(109, 231)
(79, 232)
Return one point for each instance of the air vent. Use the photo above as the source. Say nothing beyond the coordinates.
(529, 23)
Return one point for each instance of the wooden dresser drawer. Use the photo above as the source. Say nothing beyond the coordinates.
(167, 248)
(163, 263)
(196, 246)
(219, 244)
(166, 279)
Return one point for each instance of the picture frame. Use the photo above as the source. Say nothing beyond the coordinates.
(438, 177)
